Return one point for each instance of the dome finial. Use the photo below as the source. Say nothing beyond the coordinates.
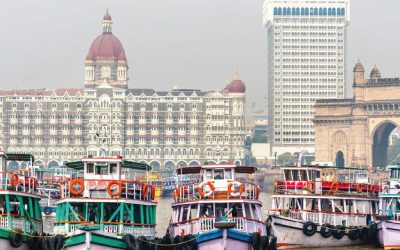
(107, 22)
(237, 77)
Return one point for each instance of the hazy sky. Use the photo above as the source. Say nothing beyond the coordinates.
(191, 44)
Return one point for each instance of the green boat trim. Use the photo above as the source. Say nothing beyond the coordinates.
(97, 239)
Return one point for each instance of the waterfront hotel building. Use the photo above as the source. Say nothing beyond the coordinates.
(306, 62)
(179, 127)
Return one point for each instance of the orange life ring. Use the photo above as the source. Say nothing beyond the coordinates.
(232, 193)
(118, 183)
(176, 194)
(32, 183)
(144, 190)
(200, 188)
(359, 188)
(14, 180)
(371, 188)
(311, 186)
(257, 191)
(334, 187)
(73, 183)
(153, 192)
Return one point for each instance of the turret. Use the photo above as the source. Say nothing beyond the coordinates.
(359, 74)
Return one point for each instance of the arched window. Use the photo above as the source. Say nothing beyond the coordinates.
(324, 12)
(343, 12)
(284, 13)
(333, 11)
(329, 11)
(320, 11)
(275, 11)
(306, 11)
(279, 11)
(293, 11)
(288, 12)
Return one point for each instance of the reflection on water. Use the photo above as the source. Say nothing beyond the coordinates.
(164, 212)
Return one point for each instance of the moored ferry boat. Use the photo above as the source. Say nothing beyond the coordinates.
(389, 210)
(20, 214)
(317, 206)
(104, 207)
(219, 212)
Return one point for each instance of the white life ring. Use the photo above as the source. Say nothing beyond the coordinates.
(235, 193)
(206, 194)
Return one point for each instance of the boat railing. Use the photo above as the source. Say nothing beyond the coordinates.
(325, 217)
(326, 188)
(99, 188)
(136, 229)
(205, 224)
(13, 181)
(190, 192)
(12, 221)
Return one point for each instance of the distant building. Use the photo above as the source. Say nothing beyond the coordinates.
(306, 62)
(179, 127)
(356, 131)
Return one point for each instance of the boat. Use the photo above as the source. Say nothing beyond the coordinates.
(20, 214)
(48, 188)
(318, 206)
(154, 178)
(389, 210)
(218, 212)
(103, 206)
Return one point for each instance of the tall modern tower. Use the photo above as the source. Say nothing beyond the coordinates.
(306, 62)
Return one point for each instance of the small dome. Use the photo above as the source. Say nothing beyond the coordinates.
(375, 73)
(358, 67)
(107, 16)
(236, 86)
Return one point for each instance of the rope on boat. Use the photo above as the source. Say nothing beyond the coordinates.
(167, 245)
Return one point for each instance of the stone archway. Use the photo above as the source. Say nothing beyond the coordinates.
(380, 143)
(169, 165)
(339, 159)
(155, 165)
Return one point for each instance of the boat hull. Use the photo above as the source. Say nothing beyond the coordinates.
(389, 234)
(5, 242)
(93, 240)
(289, 234)
(214, 239)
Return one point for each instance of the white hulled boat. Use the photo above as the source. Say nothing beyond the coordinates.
(219, 212)
(323, 207)
(389, 210)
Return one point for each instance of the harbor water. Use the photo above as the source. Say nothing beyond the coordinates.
(164, 212)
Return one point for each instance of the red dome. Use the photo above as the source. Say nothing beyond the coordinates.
(107, 17)
(106, 46)
(237, 86)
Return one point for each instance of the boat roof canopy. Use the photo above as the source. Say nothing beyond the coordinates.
(78, 165)
(320, 167)
(197, 169)
(19, 157)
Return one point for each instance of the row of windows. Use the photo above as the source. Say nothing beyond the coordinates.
(278, 11)
(303, 40)
(309, 27)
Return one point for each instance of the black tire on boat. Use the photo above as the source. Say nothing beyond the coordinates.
(142, 242)
(47, 210)
(57, 242)
(373, 230)
(271, 242)
(15, 239)
(338, 232)
(191, 243)
(353, 233)
(34, 242)
(268, 225)
(130, 242)
(364, 234)
(326, 230)
(309, 228)
(255, 242)
(264, 243)
(178, 239)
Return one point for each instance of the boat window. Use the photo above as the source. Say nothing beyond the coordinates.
(206, 210)
(220, 211)
(287, 175)
(326, 205)
(101, 169)
(295, 175)
(394, 174)
(113, 168)
(255, 212)
(90, 168)
(209, 174)
(218, 174)
(247, 210)
(185, 211)
(302, 175)
(228, 174)
(235, 210)
(193, 212)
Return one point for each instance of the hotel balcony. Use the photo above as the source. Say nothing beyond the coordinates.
(38, 121)
(26, 132)
(154, 133)
(13, 121)
(13, 132)
(26, 121)
(65, 121)
(38, 132)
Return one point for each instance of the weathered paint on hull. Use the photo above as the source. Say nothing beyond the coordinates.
(219, 244)
(389, 234)
(290, 235)
(213, 240)
(93, 240)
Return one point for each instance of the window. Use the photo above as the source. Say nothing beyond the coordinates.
(90, 168)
